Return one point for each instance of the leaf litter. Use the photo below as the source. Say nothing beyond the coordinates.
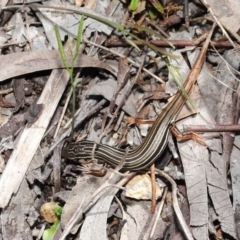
(109, 89)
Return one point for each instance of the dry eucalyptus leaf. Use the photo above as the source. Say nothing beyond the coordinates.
(38, 39)
(34, 111)
(107, 90)
(227, 12)
(20, 215)
(79, 3)
(235, 169)
(94, 226)
(90, 4)
(12, 126)
(19, 33)
(193, 158)
(139, 221)
(123, 71)
(218, 192)
(122, 77)
(18, 88)
(3, 37)
(31, 137)
(140, 188)
(198, 172)
(86, 185)
(2, 164)
(144, 128)
(17, 64)
(68, 21)
(4, 103)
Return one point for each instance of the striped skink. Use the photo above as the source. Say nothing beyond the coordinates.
(156, 140)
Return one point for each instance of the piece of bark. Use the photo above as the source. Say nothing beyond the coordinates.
(31, 136)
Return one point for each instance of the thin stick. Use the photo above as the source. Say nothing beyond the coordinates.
(186, 14)
(153, 181)
(6, 91)
(158, 212)
(129, 59)
(65, 106)
(95, 108)
(176, 207)
(213, 128)
(78, 215)
(175, 43)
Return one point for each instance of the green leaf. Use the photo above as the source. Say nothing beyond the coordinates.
(134, 4)
(48, 234)
(152, 13)
(57, 210)
(157, 5)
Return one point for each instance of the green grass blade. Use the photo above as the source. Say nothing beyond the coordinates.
(60, 46)
(154, 33)
(174, 71)
(152, 12)
(157, 5)
(105, 21)
(154, 48)
(79, 37)
(132, 43)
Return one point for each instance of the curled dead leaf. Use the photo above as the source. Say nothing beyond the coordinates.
(47, 211)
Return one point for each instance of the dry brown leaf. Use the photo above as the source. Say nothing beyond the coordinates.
(4, 103)
(107, 90)
(47, 211)
(90, 4)
(18, 88)
(17, 64)
(79, 2)
(227, 12)
(140, 187)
